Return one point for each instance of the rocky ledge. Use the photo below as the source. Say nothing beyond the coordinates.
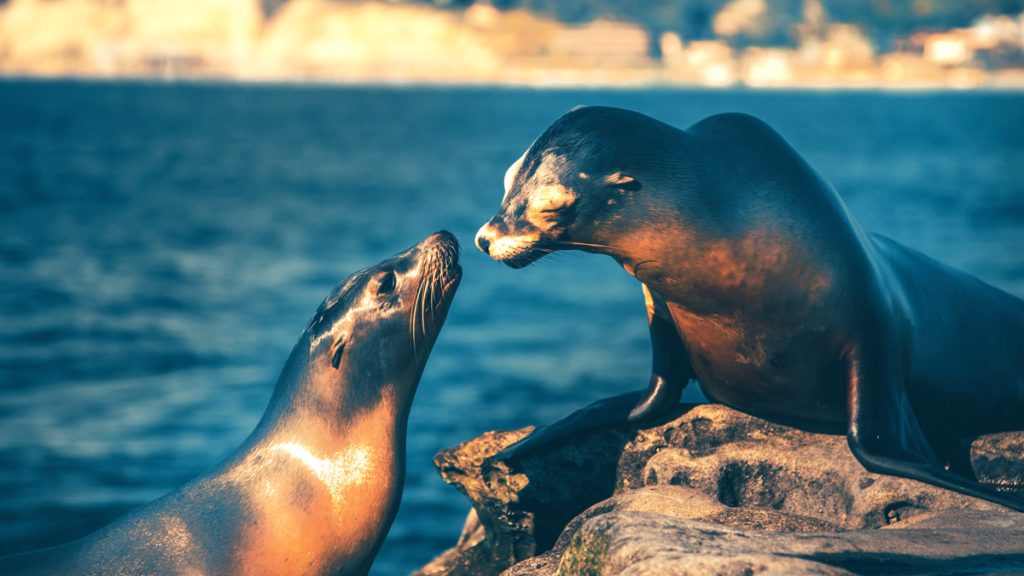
(710, 490)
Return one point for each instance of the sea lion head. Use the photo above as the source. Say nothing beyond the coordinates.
(376, 329)
(574, 187)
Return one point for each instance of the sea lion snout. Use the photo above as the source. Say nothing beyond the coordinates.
(430, 265)
(485, 236)
(439, 277)
(444, 241)
(441, 253)
(483, 240)
(515, 250)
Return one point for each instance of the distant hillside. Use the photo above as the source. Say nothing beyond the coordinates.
(883, 20)
(720, 43)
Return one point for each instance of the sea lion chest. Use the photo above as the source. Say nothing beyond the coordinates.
(772, 370)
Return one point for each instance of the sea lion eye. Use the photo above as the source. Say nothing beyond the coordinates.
(336, 359)
(387, 284)
(623, 181)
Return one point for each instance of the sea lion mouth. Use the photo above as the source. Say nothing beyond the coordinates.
(439, 279)
(516, 251)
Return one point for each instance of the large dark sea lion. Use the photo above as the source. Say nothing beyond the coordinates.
(315, 487)
(760, 285)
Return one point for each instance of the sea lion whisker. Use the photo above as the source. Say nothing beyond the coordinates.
(582, 244)
(418, 312)
(554, 254)
(433, 297)
(412, 316)
(549, 256)
(417, 307)
(412, 332)
(423, 304)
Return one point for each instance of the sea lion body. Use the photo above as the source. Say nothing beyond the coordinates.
(315, 487)
(761, 286)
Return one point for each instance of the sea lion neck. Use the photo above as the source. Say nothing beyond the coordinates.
(312, 398)
(346, 475)
(643, 255)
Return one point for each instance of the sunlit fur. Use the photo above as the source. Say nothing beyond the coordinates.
(513, 170)
(315, 487)
(338, 471)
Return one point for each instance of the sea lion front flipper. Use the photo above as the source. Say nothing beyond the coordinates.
(883, 432)
(599, 414)
(670, 367)
(670, 372)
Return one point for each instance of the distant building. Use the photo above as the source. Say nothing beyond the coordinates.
(704, 62)
(741, 17)
(768, 67)
(948, 48)
(991, 32)
(483, 15)
(603, 42)
(673, 54)
(844, 47)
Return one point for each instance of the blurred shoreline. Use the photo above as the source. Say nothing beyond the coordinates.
(391, 44)
(327, 84)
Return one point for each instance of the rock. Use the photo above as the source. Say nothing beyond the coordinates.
(999, 460)
(711, 490)
(961, 542)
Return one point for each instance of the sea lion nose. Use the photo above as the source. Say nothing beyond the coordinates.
(483, 241)
(444, 237)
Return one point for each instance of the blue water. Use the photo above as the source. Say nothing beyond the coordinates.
(162, 246)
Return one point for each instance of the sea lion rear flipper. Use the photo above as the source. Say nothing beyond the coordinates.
(670, 367)
(884, 434)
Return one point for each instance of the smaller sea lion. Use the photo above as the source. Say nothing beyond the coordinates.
(316, 486)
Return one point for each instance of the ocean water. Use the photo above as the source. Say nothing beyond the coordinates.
(162, 246)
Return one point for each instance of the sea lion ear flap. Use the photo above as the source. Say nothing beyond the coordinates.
(339, 350)
(622, 181)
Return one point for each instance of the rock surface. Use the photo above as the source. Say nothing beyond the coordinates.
(710, 490)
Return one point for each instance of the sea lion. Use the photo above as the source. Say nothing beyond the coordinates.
(760, 285)
(315, 487)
